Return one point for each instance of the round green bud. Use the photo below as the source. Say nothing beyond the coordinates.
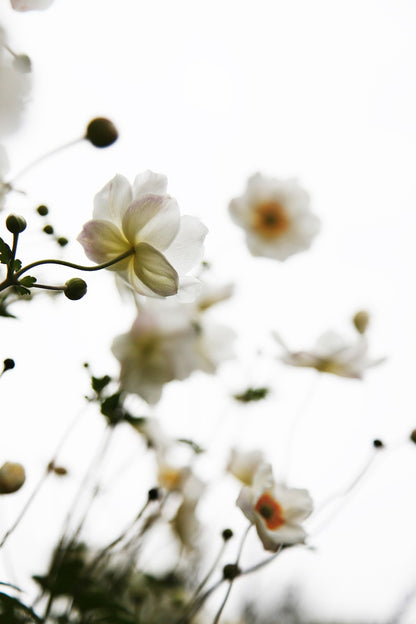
(15, 224)
(378, 444)
(230, 571)
(62, 241)
(22, 63)
(101, 132)
(12, 477)
(8, 364)
(42, 210)
(153, 494)
(75, 288)
(360, 321)
(413, 436)
(226, 534)
(48, 229)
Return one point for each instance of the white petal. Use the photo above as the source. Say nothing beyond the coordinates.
(30, 5)
(113, 200)
(152, 219)
(189, 289)
(103, 241)
(187, 248)
(152, 268)
(149, 182)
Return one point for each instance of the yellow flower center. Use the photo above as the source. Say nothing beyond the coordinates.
(270, 511)
(270, 219)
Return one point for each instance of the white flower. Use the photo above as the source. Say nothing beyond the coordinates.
(185, 522)
(145, 220)
(244, 464)
(14, 89)
(30, 5)
(166, 342)
(276, 510)
(276, 217)
(333, 354)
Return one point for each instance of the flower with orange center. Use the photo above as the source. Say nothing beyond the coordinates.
(276, 510)
(276, 217)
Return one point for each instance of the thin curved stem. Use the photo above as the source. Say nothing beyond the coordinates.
(37, 161)
(72, 265)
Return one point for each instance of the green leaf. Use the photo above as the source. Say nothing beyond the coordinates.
(99, 383)
(194, 446)
(252, 394)
(112, 409)
(5, 252)
(17, 265)
(13, 608)
(28, 281)
(21, 290)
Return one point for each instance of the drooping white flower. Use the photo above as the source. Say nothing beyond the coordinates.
(333, 354)
(275, 510)
(185, 523)
(276, 217)
(169, 340)
(244, 464)
(30, 5)
(146, 221)
(15, 86)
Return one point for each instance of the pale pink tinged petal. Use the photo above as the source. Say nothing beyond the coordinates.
(152, 219)
(287, 534)
(30, 5)
(112, 202)
(152, 268)
(187, 248)
(103, 241)
(149, 182)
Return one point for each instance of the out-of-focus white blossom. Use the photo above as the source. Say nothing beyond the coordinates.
(244, 464)
(15, 86)
(30, 5)
(169, 340)
(276, 511)
(276, 217)
(145, 220)
(333, 354)
(185, 523)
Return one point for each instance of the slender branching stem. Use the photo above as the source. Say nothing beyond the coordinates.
(37, 161)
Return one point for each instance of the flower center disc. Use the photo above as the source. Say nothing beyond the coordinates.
(270, 219)
(270, 511)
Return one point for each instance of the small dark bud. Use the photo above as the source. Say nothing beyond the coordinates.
(360, 321)
(230, 571)
(48, 229)
(153, 494)
(15, 224)
(101, 132)
(42, 210)
(62, 241)
(22, 63)
(378, 444)
(8, 364)
(75, 288)
(227, 534)
(60, 471)
(413, 436)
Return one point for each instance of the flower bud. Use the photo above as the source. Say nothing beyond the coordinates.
(226, 534)
(101, 132)
(361, 320)
(153, 494)
(378, 444)
(8, 364)
(12, 477)
(413, 436)
(22, 64)
(15, 224)
(62, 241)
(48, 229)
(75, 288)
(230, 571)
(42, 210)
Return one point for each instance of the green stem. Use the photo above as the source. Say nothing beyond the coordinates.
(79, 267)
(44, 157)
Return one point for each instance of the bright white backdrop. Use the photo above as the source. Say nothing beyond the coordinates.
(209, 93)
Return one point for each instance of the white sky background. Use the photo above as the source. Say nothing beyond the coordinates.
(209, 93)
